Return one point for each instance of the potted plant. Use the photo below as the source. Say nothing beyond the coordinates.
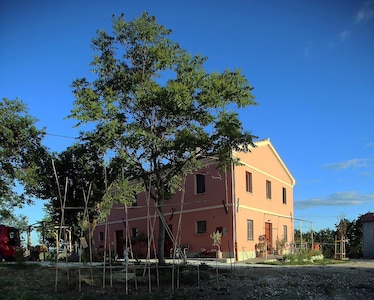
(261, 246)
(283, 247)
(216, 237)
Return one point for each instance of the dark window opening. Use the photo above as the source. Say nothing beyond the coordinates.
(248, 182)
(200, 183)
(268, 189)
(134, 233)
(200, 227)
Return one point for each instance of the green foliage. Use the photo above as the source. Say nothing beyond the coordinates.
(20, 259)
(354, 235)
(352, 230)
(18, 221)
(303, 256)
(121, 191)
(156, 110)
(20, 154)
(82, 175)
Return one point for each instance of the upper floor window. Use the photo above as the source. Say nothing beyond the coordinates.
(268, 189)
(200, 183)
(248, 182)
(200, 227)
(101, 236)
(284, 196)
(250, 230)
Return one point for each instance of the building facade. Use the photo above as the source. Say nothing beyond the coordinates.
(368, 235)
(251, 205)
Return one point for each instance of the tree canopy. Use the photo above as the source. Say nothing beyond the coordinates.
(21, 152)
(76, 182)
(156, 110)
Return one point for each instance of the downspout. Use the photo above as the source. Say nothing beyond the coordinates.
(234, 213)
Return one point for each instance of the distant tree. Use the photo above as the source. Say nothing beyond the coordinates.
(21, 152)
(326, 237)
(354, 235)
(302, 237)
(156, 110)
(350, 230)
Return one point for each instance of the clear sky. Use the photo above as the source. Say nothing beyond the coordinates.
(311, 63)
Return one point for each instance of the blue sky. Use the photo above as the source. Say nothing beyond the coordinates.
(311, 63)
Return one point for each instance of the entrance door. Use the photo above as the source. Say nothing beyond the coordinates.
(119, 243)
(268, 235)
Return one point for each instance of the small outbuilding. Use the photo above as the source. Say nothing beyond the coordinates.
(368, 235)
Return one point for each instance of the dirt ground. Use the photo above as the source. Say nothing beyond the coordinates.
(346, 280)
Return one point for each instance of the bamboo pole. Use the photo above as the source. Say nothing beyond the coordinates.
(105, 250)
(154, 246)
(178, 236)
(124, 258)
(86, 217)
(62, 205)
(148, 238)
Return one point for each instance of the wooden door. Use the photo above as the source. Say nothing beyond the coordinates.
(268, 235)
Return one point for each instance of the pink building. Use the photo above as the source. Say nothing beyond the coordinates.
(251, 205)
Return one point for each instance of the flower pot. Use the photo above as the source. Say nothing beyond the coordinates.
(219, 254)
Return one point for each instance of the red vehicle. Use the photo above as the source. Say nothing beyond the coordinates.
(9, 242)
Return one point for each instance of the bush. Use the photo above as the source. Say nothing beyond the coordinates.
(302, 256)
(20, 258)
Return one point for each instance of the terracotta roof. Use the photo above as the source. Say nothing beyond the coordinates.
(369, 217)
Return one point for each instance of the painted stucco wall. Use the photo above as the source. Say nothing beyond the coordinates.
(264, 163)
(215, 206)
(211, 206)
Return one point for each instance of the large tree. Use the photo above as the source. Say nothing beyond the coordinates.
(156, 109)
(21, 152)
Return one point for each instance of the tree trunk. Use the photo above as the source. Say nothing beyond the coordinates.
(161, 236)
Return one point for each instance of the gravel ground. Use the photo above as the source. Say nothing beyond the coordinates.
(349, 280)
(353, 279)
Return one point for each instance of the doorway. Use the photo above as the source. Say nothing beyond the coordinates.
(269, 236)
(119, 243)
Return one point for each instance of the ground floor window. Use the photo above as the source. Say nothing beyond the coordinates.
(200, 227)
(135, 233)
(250, 230)
(285, 235)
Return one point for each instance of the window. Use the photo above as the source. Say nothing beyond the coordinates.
(101, 236)
(200, 227)
(268, 189)
(134, 232)
(200, 183)
(250, 230)
(248, 182)
(285, 235)
(219, 229)
(284, 195)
